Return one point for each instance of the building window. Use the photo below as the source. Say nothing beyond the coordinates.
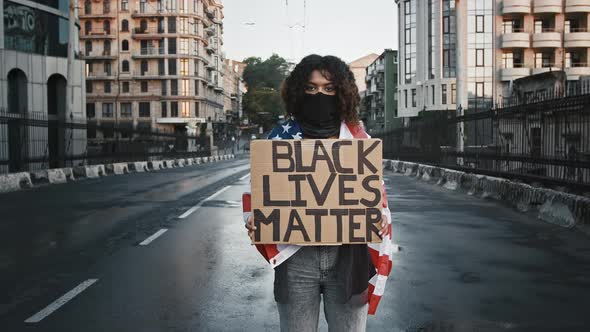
(406, 98)
(144, 109)
(107, 110)
(88, 86)
(185, 109)
(479, 26)
(197, 109)
(183, 46)
(171, 66)
(163, 87)
(174, 87)
(453, 93)
(164, 109)
(479, 57)
(107, 68)
(124, 25)
(449, 39)
(125, 6)
(443, 94)
(479, 89)
(432, 13)
(144, 67)
(88, 27)
(413, 97)
(196, 87)
(88, 47)
(410, 40)
(433, 95)
(171, 45)
(161, 66)
(87, 7)
(542, 60)
(144, 86)
(90, 110)
(124, 45)
(184, 67)
(125, 87)
(171, 24)
(106, 48)
(161, 25)
(174, 109)
(106, 26)
(126, 110)
(125, 66)
(89, 69)
(183, 25)
(107, 87)
(184, 87)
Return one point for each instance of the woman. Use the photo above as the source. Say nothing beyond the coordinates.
(321, 98)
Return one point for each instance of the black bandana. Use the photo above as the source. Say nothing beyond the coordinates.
(319, 116)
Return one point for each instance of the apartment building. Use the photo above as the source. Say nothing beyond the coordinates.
(153, 64)
(233, 90)
(380, 97)
(359, 70)
(35, 80)
(489, 44)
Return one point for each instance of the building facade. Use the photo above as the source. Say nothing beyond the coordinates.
(469, 52)
(153, 64)
(359, 70)
(380, 97)
(39, 92)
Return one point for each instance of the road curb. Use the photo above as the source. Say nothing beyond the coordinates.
(23, 180)
(550, 205)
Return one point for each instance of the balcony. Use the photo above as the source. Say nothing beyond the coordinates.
(516, 7)
(547, 6)
(546, 68)
(210, 48)
(150, 52)
(100, 76)
(180, 120)
(517, 39)
(97, 15)
(139, 33)
(547, 39)
(147, 11)
(210, 31)
(518, 71)
(98, 34)
(105, 55)
(577, 6)
(148, 75)
(577, 38)
(576, 70)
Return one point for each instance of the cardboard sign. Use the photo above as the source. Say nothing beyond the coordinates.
(316, 191)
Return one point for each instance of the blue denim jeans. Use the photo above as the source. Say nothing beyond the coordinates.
(310, 274)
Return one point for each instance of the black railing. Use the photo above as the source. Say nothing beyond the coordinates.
(543, 140)
(37, 141)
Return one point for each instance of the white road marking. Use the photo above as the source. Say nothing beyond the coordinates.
(36, 318)
(196, 207)
(153, 237)
(245, 177)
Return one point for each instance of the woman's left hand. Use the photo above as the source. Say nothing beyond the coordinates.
(384, 226)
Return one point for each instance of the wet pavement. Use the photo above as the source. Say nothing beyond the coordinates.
(466, 264)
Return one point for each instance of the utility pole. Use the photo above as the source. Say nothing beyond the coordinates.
(70, 70)
(461, 101)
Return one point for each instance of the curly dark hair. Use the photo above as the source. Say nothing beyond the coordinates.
(333, 68)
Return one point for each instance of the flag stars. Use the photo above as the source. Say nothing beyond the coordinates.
(297, 136)
(286, 127)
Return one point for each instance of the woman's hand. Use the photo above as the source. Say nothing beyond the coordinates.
(384, 226)
(250, 226)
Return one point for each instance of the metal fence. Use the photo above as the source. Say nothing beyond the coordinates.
(34, 141)
(543, 139)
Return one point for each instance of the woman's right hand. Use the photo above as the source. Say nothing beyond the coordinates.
(250, 226)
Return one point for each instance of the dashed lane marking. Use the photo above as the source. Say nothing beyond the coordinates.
(36, 318)
(245, 177)
(196, 207)
(153, 237)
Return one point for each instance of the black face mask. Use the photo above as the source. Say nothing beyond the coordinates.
(319, 116)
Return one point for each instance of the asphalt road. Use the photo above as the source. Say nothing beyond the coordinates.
(117, 253)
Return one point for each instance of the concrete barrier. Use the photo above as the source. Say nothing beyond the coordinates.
(89, 172)
(69, 173)
(551, 206)
(15, 181)
(53, 176)
(116, 168)
(189, 161)
(155, 165)
(138, 166)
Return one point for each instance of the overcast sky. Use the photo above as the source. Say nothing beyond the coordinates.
(346, 28)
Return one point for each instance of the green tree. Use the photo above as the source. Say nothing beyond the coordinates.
(262, 103)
